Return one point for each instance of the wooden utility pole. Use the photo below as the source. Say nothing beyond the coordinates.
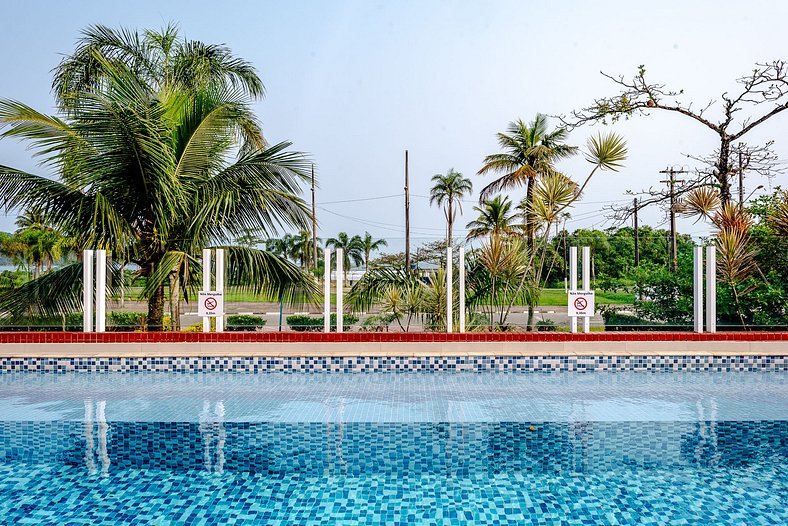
(407, 217)
(314, 222)
(637, 235)
(672, 185)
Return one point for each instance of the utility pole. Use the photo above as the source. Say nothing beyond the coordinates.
(407, 217)
(314, 222)
(672, 185)
(637, 235)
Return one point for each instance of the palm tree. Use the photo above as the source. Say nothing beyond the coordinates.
(352, 249)
(160, 60)
(495, 219)
(153, 166)
(371, 245)
(448, 190)
(530, 151)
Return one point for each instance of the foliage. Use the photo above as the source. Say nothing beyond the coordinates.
(158, 155)
(448, 191)
(546, 326)
(301, 323)
(71, 321)
(244, 322)
(126, 321)
(495, 219)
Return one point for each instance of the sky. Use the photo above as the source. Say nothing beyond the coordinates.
(356, 83)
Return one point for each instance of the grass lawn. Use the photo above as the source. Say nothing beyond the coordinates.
(559, 297)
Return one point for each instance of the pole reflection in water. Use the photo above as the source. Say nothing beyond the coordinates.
(213, 432)
(90, 462)
(103, 428)
(707, 450)
(91, 450)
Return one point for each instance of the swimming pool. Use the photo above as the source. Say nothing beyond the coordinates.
(388, 448)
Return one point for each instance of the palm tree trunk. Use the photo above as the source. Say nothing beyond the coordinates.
(450, 218)
(156, 310)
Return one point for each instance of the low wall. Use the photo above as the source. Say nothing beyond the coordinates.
(135, 344)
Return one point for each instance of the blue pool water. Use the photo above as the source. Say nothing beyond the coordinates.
(421, 448)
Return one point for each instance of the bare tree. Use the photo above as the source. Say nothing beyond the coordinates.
(762, 95)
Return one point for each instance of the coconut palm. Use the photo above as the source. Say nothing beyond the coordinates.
(495, 219)
(153, 169)
(371, 245)
(352, 250)
(161, 60)
(448, 192)
(530, 152)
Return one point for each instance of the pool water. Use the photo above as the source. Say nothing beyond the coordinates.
(394, 448)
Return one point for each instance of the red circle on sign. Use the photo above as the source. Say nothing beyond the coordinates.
(210, 303)
(581, 303)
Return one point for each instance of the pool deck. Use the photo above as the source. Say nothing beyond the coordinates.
(290, 344)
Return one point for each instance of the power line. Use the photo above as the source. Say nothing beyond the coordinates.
(360, 199)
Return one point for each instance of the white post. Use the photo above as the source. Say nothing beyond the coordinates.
(101, 290)
(462, 289)
(206, 284)
(711, 288)
(573, 282)
(220, 286)
(340, 292)
(449, 290)
(697, 288)
(327, 290)
(87, 292)
(587, 283)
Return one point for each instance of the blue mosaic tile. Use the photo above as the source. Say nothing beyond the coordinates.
(344, 364)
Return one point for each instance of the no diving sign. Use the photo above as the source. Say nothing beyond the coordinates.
(210, 303)
(581, 303)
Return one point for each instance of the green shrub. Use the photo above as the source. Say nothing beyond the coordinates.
(68, 322)
(301, 323)
(244, 322)
(126, 321)
(546, 326)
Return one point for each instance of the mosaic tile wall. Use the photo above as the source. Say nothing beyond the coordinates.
(393, 449)
(347, 364)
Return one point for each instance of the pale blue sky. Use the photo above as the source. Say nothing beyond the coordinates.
(356, 83)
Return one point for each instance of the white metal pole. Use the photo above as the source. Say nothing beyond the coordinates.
(573, 282)
(220, 286)
(449, 290)
(340, 292)
(101, 290)
(587, 283)
(711, 288)
(326, 289)
(206, 284)
(697, 288)
(87, 291)
(462, 289)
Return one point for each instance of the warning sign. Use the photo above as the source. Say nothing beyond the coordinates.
(210, 303)
(581, 303)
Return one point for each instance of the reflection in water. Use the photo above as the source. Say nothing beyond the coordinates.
(103, 427)
(707, 451)
(213, 432)
(90, 462)
(90, 445)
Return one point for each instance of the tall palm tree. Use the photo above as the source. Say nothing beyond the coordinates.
(371, 245)
(495, 219)
(530, 152)
(154, 165)
(448, 190)
(352, 250)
